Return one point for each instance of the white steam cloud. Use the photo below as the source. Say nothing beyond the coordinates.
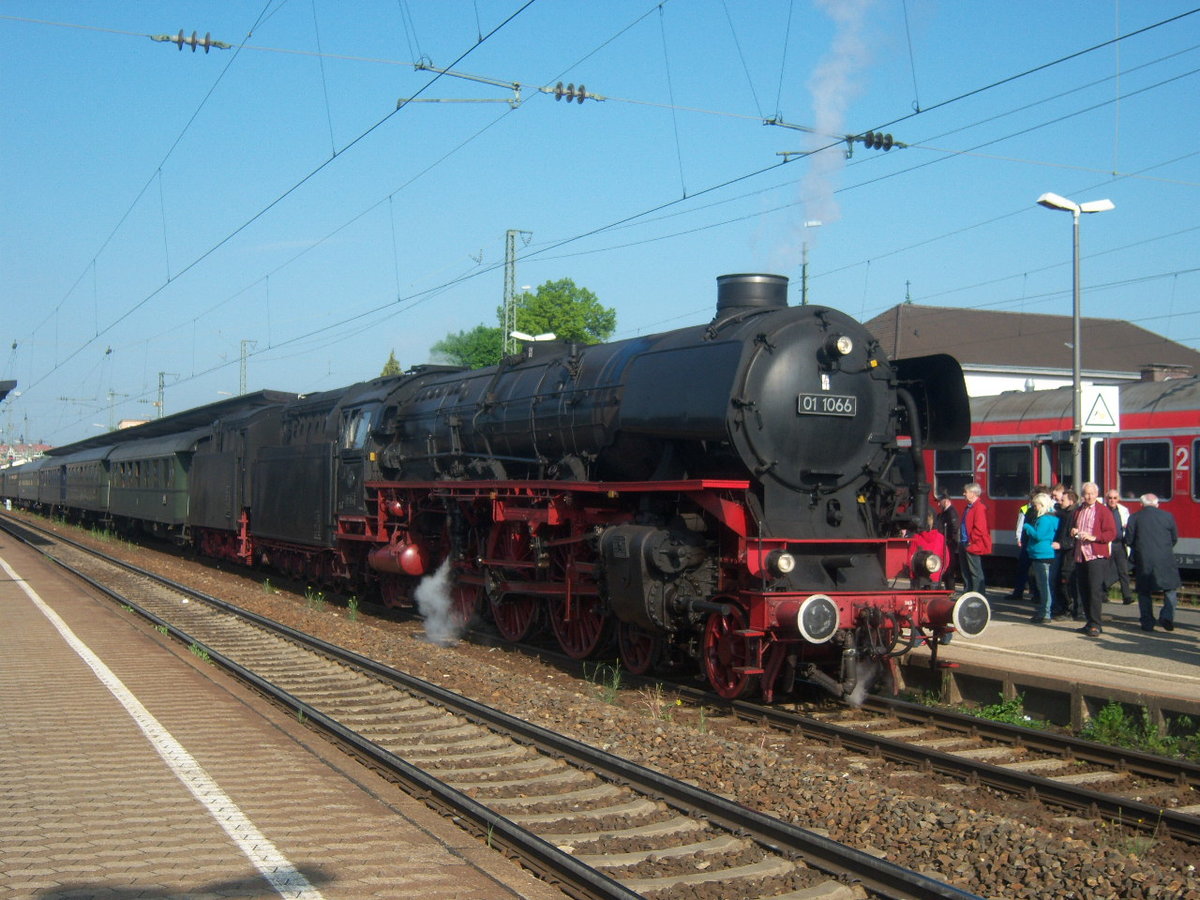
(834, 85)
(435, 602)
(867, 671)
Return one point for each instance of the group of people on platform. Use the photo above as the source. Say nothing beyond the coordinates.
(1072, 549)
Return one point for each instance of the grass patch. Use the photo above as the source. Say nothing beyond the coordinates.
(199, 652)
(607, 678)
(1010, 711)
(1115, 726)
(657, 704)
(314, 599)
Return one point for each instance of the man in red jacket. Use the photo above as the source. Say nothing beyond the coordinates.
(975, 540)
(1093, 530)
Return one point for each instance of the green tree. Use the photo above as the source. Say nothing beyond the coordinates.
(570, 312)
(392, 366)
(479, 347)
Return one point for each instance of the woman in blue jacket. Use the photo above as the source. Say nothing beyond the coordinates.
(1038, 538)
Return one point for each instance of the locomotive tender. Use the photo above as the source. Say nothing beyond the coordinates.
(735, 493)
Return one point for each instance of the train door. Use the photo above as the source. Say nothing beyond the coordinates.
(1056, 464)
(1009, 482)
(1043, 464)
(1094, 467)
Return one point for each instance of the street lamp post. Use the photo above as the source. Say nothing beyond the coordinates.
(1054, 201)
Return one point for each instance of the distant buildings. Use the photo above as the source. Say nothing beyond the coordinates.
(17, 453)
(1020, 351)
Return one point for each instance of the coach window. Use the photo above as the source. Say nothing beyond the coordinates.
(1144, 467)
(952, 470)
(1195, 471)
(1011, 472)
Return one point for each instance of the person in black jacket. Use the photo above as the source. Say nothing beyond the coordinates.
(1120, 558)
(1151, 536)
(1062, 572)
(947, 523)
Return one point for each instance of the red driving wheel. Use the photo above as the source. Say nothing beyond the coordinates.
(515, 615)
(726, 655)
(639, 648)
(579, 620)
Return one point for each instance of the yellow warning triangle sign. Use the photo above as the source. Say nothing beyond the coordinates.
(1099, 416)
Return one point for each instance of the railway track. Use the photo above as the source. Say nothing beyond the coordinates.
(1127, 787)
(1137, 790)
(598, 825)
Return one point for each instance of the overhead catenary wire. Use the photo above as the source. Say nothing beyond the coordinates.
(603, 228)
(629, 220)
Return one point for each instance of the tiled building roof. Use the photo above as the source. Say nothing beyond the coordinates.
(978, 337)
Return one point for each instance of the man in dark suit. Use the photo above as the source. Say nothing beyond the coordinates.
(1151, 536)
(947, 523)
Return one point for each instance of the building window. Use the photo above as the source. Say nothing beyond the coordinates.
(952, 470)
(1011, 472)
(1144, 467)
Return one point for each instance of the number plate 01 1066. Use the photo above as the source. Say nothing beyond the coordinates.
(827, 405)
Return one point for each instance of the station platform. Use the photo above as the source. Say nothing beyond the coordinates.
(130, 768)
(1060, 671)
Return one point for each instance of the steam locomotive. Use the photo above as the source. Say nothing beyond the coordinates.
(735, 495)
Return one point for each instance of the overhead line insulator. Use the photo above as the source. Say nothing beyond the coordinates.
(570, 92)
(181, 39)
(872, 140)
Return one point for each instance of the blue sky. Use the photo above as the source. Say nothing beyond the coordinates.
(163, 206)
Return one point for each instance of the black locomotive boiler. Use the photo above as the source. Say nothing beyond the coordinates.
(734, 494)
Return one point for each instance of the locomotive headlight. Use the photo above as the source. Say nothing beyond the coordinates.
(838, 345)
(781, 562)
(927, 560)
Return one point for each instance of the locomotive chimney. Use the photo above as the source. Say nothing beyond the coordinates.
(742, 293)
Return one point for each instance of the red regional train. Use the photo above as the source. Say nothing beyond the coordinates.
(1022, 438)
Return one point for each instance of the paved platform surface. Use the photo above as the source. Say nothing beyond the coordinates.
(130, 769)
(1123, 657)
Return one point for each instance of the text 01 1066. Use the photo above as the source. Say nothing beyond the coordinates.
(827, 405)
